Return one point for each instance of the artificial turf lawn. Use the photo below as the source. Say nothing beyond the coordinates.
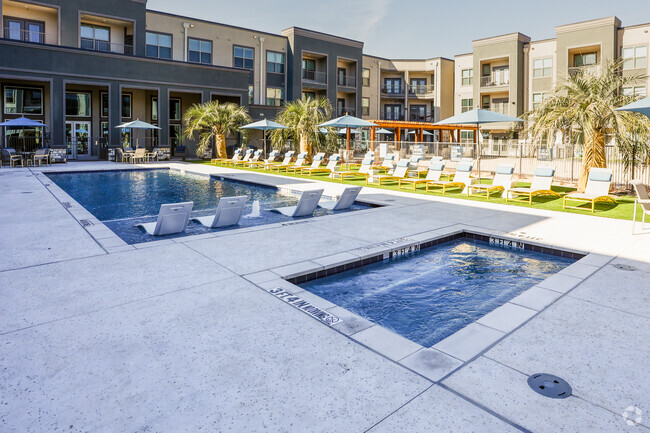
(623, 209)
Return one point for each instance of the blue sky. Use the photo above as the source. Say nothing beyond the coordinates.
(409, 29)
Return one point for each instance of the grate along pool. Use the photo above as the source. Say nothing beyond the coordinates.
(123, 198)
(435, 292)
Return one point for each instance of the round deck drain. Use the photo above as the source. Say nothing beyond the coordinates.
(549, 385)
(625, 267)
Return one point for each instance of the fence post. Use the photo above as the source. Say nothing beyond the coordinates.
(521, 152)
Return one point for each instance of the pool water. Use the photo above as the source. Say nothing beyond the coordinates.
(123, 198)
(433, 293)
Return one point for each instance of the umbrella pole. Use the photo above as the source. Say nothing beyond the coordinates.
(264, 132)
(347, 147)
(478, 150)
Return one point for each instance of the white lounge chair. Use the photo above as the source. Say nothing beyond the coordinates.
(541, 185)
(597, 189)
(400, 172)
(285, 162)
(236, 156)
(247, 156)
(387, 163)
(642, 199)
(316, 162)
(433, 174)
(502, 181)
(462, 179)
(346, 199)
(270, 160)
(306, 206)
(329, 168)
(172, 218)
(229, 211)
(364, 170)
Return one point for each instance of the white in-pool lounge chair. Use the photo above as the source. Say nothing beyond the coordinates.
(306, 206)
(642, 199)
(329, 168)
(433, 174)
(541, 185)
(172, 218)
(346, 199)
(462, 179)
(228, 213)
(502, 181)
(597, 189)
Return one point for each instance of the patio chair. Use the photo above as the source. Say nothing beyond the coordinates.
(42, 154)
(120, 155)
(286, 161)
(318, 159)
(331, 166)
(643, 199)
(462, 179)
(306, 206)
(150, 156)
(364, 170)
(140, 154)
(300, 162)
(400, 172)
(502, 181)
(433, 175)
(597, 189)
(541, 185)
(172, 218)
(9, 156)
(345, 200)
(228, 213)
(236, 156)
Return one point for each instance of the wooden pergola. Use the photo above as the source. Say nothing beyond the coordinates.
(420, 127)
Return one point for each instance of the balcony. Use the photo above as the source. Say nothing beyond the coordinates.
(30, 36)
(392, 91)
(575, 71)
(346, 81)
(413, 117)
(422, 90)
(314, 77)
(389, 116)
(106, 47)
(494, 81)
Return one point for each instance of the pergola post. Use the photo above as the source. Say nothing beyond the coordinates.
(372, 138)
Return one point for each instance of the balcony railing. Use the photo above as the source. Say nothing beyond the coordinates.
(29, 36)
(341, 111)
(391, 91)
(390, 116)
(585, 69)
(421, 89)
(419, 118)
(346, 81)
(493, 81)
(314, 76)
(106, 47)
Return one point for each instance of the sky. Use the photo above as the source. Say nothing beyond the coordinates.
(404, 29)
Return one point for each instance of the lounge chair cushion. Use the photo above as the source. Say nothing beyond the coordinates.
(366, 161)
(437, 166)
(335, 157)
(403, 163)
(600, 175)
(544, 172)
(464, 167)
(505, 169)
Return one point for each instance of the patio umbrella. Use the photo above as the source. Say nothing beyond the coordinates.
(23, 122)
(137, 124)
(477, 117)
(352, 131)
(641, 106)
(348, 122)
(264, 125)
(383, 131)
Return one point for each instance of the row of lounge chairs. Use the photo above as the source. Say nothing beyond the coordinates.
(174, 217)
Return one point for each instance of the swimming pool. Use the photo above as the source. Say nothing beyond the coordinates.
(123, 198)
(435, 292)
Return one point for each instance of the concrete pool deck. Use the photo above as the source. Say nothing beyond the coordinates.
(182, 335)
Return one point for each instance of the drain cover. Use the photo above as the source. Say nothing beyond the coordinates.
(624, 267)
(549, 385)
(66, 204)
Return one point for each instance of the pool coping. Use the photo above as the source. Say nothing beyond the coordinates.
(437, 362)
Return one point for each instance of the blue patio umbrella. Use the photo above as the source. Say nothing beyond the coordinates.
(383, 131)
(477, 117)
(641, 106)
(137, 124)
(264, 125)
(352, 131)
(23, 122)
(348, 122)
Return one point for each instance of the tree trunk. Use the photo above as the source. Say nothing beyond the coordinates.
(305, 147)
(221, 145)
(593, 156)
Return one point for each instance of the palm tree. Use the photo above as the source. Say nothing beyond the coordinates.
(303, 116)
(214, 122)
(583, 108)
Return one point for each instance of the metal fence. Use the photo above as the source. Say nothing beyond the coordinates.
(526, 157)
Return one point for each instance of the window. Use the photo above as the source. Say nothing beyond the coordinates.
(634, 57)
(538, 99)
(95, 37)
(467, 77)
(19, 29)
(485, 70)
(104, 104)
(500, 105)
(199, 51)
(485, 102)
(392, 112)
(585, 59)
(393, 85)
(418, 85)
(543, 67)
(365, 106)
(634, 91)
(274, 62)
(466, 104)
(174, 109)
(159, 45)
(243, 57)
(104, 130)
(274, 96)
(251, 94)
(307, 95)
(418, 113)
(77, 104)
(126, 105)
(23, 100)
(467, 137)
(365, 77)
(154, 109)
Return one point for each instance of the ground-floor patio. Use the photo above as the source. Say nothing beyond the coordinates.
(183, 334)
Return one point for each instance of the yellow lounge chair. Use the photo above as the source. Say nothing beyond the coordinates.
(331, 166)
(236, 156)
(502, 181)
(300, 162)
(387, 164)
(400, 172)
(247, 156)
(541, 185)
(597, 189)
(270, 160)
(286, 161)
(364, 170)
(433, 174)
(462, 179)
(295, 169)
(250, 156)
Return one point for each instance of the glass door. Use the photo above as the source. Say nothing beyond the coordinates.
(78, 137)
